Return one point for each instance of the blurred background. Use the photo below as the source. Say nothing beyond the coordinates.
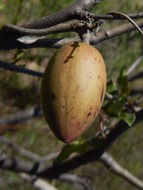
(20, 92)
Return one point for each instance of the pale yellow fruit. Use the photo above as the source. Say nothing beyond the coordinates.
(73, 89)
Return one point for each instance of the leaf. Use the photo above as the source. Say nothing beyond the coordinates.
(69, 149)
(123, 83)
(111, 86)
(18, 55)
(129, 118)
(114, 107)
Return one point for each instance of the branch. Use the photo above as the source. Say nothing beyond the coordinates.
(17, 165)
(136, 76)
(8, 37)
(37, 182)
(18, 69)
(21, 116)
(21, 151)
(26, 153)
(134, 65)
(102, 36)
(109, 16)
(60, 28)
(54, 171)
(68, 178)
(39, 43)
(112, 165)
(69, 13)
(129, 19)
(68, 27)
(77, 180)
(91, 155)
(56, 43)
(134, 92)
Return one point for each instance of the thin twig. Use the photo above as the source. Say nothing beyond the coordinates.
(18, 69)
(136, 76)
(21, 116)
(26, 153)
(26, 31)
(129, 19)
(66, 178)
(77, 180)
(23, 152)
(134, 92)
(38, 183)
(116, 168)
(60, 28)
(83, 15)
(134, 65)
(119, 30)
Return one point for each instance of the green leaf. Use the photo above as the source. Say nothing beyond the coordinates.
(18, 55)
(129, 118)
(67, 150)
(123, 83)
(114, 107)
(111, 86)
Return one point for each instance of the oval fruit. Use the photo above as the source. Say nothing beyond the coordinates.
(73, 89)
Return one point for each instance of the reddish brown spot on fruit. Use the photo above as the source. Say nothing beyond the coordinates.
(72, 108)
(94, 114)
(89, 113)
(79, 127)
